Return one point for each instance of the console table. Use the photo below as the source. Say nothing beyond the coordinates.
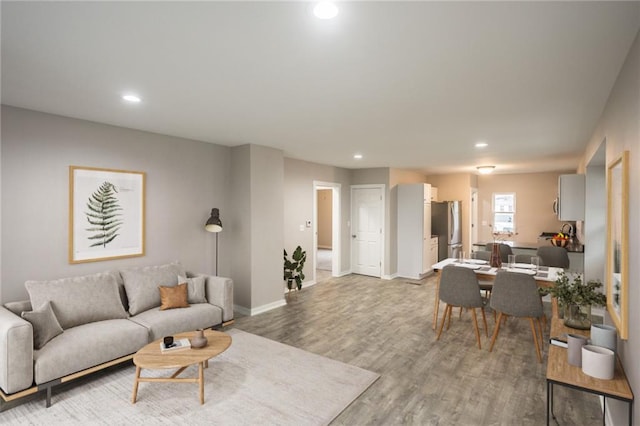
(560, 372)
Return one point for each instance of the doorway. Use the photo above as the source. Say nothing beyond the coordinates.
(367, 224)
(326, 230)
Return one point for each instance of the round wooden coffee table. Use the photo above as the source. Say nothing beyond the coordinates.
(152, 357)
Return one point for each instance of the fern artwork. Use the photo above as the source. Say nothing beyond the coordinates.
(102, 214)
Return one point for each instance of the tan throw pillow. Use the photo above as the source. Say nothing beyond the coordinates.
(173, 297)
(45, 324)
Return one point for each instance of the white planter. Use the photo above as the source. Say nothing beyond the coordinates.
(598, 362)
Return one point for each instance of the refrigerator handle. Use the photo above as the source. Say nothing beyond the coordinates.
(452, 223)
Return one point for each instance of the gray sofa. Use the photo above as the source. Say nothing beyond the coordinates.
(103, 319)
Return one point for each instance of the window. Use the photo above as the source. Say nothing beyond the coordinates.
(504, 212)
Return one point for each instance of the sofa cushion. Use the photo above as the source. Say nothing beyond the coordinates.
(195, 290)
(79, 300)
(173, 297)
(86, 346)
(167, 323)
(45, 325)
(141, 284)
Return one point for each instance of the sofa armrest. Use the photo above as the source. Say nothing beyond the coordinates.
(16, 352)
(219, 292)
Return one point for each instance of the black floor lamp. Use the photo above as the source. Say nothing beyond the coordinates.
(214, 224)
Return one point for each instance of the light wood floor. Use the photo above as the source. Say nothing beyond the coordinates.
(385, 326)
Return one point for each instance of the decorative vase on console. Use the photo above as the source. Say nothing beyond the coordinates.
(577, 297)
(498, 236)
(496, 260)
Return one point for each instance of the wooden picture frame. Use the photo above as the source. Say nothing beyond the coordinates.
(617, 271)
(106, 214)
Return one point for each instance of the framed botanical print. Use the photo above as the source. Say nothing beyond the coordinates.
(106, 214)
(617, 277)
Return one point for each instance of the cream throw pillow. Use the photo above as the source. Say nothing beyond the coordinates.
(195, 289)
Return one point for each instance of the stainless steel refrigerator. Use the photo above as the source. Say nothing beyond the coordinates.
(446, 223)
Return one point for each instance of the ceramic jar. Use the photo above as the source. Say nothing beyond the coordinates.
(199, 341)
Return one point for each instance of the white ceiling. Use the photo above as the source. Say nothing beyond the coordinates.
(407, 84)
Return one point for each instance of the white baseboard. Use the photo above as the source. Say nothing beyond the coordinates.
(389, 277)
(260, 309)
(344, 273)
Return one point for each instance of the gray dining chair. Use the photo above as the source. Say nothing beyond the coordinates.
(553, 256)
(485, 286)
(482, 255)
(516, 294)
(524, 258)
(505, 250)
(459, 288)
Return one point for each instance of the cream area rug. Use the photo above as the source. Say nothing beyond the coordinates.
(256, 381)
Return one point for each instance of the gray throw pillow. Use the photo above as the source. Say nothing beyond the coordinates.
(79, 300)
(141, 284)
(195, 289)
(45, 324)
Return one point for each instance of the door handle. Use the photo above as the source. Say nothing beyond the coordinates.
(353, 236)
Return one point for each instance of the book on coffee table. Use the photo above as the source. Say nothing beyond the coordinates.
(176, 345)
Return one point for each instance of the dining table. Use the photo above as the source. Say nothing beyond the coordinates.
(545, 276)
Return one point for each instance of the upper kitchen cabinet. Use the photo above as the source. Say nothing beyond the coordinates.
(570, 202)
(414, 230)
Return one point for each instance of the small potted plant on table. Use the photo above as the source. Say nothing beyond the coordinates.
(577, 297)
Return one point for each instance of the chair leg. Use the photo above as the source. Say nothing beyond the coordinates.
(496, 331)
(460, 314)
(540, 328)
(484, 320)
(449, 316)
(444, 316)
(475, 326)
(541, 335)
(535, 339)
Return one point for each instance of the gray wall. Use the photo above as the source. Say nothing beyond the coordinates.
(240, 224)
(267, 236)
(298, 207)
(184, 180)
(620, 127)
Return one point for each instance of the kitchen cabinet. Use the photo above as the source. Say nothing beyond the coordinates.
(570, 202)
(414, 230)
(434, 194)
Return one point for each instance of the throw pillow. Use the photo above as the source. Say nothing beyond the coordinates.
(195, 289)
(141, 284)
(173, 297)
(45, 324)
(79, 300)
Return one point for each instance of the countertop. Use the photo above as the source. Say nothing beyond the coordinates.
(525, 245)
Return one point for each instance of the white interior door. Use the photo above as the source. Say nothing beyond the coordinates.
(366, 230)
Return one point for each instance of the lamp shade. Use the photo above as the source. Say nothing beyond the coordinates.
(214, 224)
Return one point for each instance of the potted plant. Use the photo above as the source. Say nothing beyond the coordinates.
(293, 268)
(577, 297)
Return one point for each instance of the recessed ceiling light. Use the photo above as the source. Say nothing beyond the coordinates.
(482, 145)
(485, 170)
(131, 98)
(357, 156)
(325, 10)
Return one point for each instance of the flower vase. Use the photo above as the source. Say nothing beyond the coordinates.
(496, 261)
(577, 316)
